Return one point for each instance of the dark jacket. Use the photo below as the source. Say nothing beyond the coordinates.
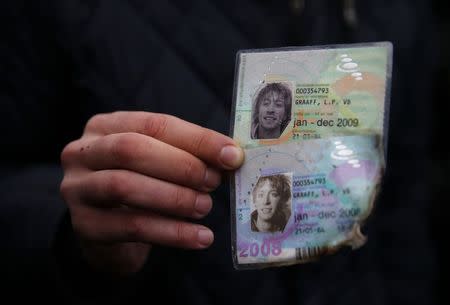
(62, 61)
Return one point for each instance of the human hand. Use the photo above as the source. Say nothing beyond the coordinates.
(131, 180)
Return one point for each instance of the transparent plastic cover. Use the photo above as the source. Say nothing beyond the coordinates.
(313, 124)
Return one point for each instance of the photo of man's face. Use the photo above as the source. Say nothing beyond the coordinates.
(272, 111)
(271, 198)
(267, 199)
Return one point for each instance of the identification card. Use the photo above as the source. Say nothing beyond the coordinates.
(313, 125)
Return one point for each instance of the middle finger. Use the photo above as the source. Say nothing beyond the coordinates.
(108, 188)
(151, 157)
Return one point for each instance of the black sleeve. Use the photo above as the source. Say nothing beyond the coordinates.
(81, 283)
(39, 116)
(40, 255)
(39, 108)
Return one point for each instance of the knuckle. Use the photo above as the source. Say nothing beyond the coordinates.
(65, 188)
(155, 125)
(200, 142)
(181, 233)
(135, 229)
(118, 187)
(124, 147)
(95, 122)
(69, 153)
(178, 200)
(183, 201)
(193, 171)
(188, 168)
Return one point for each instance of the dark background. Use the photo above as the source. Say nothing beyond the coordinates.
(440, 156)
(436, 157)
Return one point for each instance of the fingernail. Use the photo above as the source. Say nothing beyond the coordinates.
(205, 237)
(231, 156)
(212, 179)
(203, 204)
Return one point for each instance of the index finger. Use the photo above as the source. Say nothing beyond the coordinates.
(210, 146)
